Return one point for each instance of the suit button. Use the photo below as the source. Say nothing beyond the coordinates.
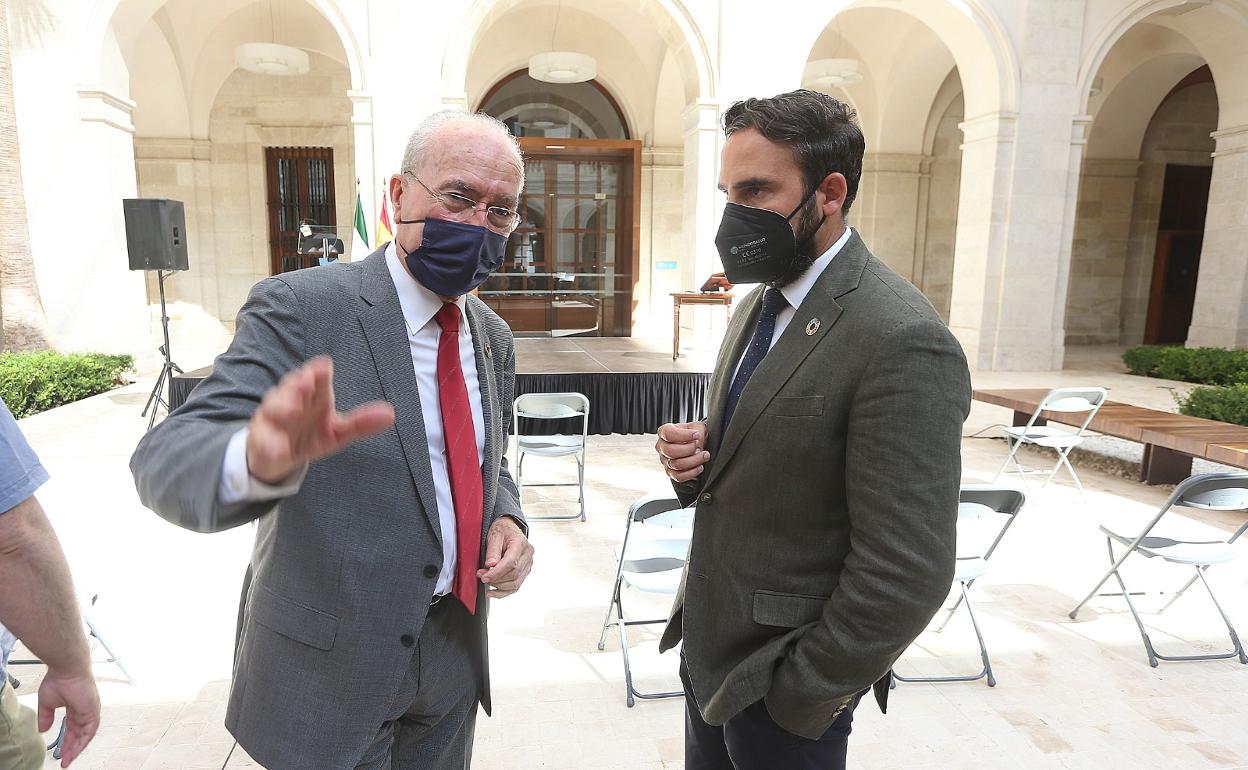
(704, 498)
(431, 571)
(406, 640)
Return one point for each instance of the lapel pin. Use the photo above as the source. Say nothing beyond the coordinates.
(488, 351)
(813, 326)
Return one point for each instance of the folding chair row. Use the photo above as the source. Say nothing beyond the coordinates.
(1210, 491)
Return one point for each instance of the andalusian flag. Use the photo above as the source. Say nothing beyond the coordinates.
(359, 249)
(385, 233)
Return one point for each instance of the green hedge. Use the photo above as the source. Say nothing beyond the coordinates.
(1207, 366)
(38, 381)
(1228, 403)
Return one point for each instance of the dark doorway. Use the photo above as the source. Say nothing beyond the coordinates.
(300, 189)
(1176, 261)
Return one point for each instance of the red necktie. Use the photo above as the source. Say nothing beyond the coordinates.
(461, 458)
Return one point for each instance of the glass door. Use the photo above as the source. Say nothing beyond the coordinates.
(568, 270)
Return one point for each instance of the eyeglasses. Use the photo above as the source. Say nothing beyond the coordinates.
(498, 217)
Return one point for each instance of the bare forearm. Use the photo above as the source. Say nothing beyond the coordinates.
(37, 601)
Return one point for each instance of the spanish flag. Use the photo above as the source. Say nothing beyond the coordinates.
(385, 233)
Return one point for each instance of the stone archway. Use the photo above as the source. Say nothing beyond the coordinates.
(1170, 42)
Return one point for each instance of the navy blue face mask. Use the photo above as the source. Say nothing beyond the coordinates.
(454, 257)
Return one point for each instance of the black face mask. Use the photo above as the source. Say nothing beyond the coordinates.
(758, 245)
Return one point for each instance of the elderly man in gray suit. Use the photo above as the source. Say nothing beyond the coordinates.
(826, 476)
(385, 527)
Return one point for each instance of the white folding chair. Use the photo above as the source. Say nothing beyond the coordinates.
(976, 504)
(1209, 491)
(552, 406)
(1069, 401)
(652, 562)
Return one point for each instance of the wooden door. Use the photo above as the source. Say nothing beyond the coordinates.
(571, 265)
(300, 189)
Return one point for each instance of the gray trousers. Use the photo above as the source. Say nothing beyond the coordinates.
(431, 723)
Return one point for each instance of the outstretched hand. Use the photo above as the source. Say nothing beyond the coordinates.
(298, 423)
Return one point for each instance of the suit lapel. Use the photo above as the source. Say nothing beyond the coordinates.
(386, 334)
(817, 315)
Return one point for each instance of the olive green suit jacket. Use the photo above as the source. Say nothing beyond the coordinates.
(824, 536)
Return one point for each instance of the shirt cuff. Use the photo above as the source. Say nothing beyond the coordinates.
(239, 486)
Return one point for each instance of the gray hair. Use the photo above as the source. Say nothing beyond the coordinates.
(418, 144)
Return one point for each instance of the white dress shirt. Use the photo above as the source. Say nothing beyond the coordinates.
(419, 305)
(795, 293)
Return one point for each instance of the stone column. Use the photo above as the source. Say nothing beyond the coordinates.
(1221, 315)
(662, 240)
(1015, 221)
(96, 302)
(366, 171)
(702, 204)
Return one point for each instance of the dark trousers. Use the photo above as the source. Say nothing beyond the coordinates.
(751, 740)
(431, 725)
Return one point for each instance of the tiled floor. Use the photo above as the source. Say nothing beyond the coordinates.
(1070, 694)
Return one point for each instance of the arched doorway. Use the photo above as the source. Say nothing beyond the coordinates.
(648, 113)
(1169, 129)
(903, 81)
(1144, 191)
(570, 265)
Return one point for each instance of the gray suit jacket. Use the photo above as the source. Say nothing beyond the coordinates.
(346, 567)
(824, 535)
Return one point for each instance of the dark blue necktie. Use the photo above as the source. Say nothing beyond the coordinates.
(773, 303)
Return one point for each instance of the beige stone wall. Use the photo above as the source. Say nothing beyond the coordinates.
(886, 211)
(1177, 134)
(1099, 252)
(945, 173)
(223, 182)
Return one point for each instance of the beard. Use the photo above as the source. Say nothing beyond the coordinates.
(808, 224)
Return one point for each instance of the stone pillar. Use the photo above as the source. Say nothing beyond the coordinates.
(702, 203)
(1099, 252)
(662, 240)
(1220, 317)
(1015, 221)
(366, 171)
(96, 302)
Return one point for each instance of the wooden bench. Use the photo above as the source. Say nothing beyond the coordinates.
(1170, 440)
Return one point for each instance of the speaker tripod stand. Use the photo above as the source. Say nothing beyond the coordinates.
(168, 368)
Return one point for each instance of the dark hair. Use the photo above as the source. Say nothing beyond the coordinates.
(822, 132)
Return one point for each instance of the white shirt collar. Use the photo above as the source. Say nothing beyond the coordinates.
(795, 292)
(419, 305)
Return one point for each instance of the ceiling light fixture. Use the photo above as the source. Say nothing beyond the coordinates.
(832, 72)
(271, 58)
(562, 66)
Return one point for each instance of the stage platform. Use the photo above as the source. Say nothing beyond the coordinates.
(633, 385)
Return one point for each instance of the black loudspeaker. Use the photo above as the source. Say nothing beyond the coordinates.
(155, 233)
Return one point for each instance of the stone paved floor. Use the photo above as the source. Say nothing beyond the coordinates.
(1070, 694)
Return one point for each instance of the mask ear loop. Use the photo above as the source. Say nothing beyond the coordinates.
(398, 221)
